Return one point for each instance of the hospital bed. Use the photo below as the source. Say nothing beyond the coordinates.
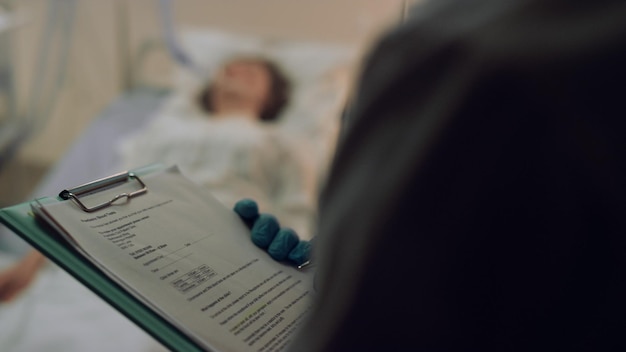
(57, 313)
(319, 73)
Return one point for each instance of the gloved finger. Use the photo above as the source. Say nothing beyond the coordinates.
(264, 230)
(301, 253)
(285, 241)
(248, 211)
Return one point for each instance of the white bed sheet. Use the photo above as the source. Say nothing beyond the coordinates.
(58, 314)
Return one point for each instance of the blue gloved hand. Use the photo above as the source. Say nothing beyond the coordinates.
(282, 244)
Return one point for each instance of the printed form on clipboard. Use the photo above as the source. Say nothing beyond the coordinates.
(189, 258)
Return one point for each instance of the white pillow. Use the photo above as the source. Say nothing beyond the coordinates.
(314, 68)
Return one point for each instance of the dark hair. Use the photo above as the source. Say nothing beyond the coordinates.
(280, 89)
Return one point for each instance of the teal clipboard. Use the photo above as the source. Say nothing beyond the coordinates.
(21, 220)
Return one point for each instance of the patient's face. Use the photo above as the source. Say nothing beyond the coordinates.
(244, 83)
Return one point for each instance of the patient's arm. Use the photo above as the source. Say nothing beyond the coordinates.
(281, 243)
(20, 275)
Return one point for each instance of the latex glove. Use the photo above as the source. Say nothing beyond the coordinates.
(282, 244)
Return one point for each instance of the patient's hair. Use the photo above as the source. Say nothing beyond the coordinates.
(280, 91)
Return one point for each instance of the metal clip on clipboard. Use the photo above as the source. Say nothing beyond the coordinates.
(101, 184)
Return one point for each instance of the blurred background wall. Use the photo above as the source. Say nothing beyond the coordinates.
(90, 51)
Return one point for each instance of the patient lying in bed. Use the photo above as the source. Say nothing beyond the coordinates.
(231, 144)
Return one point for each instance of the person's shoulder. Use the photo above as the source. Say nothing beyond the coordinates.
(447, 20)
(482, 36)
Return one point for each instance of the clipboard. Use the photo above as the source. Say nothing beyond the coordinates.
(21, 220)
